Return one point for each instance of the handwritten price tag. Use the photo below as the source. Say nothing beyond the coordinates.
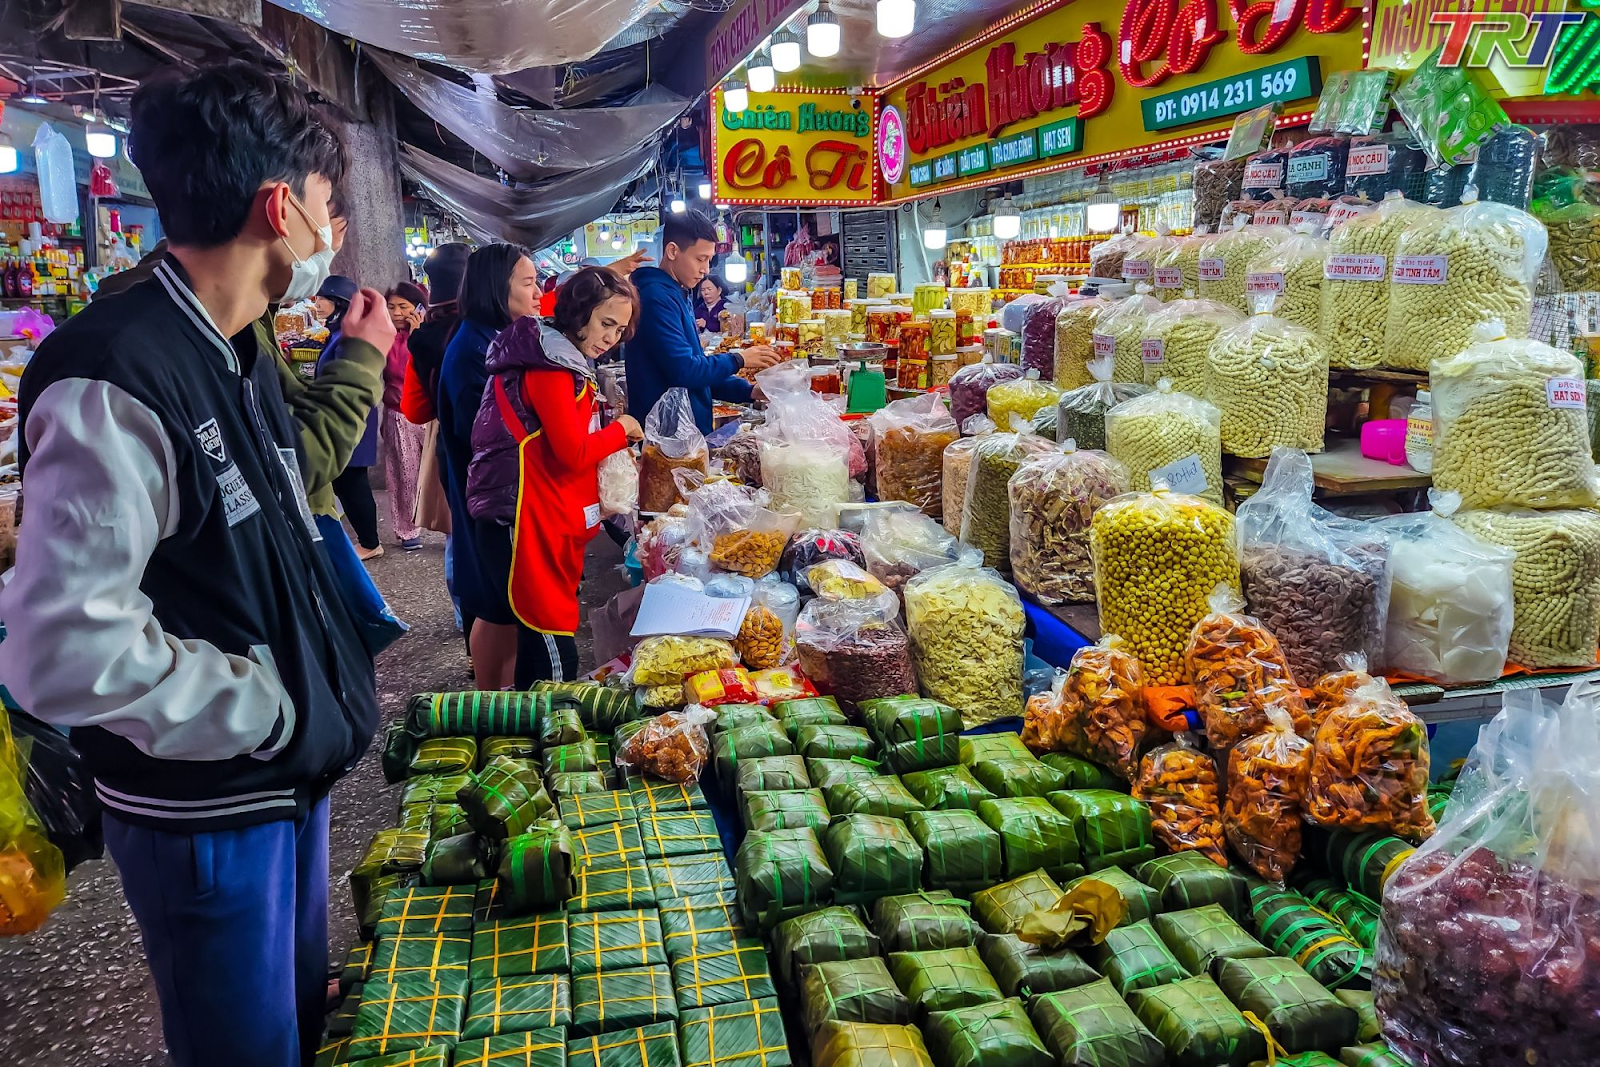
(1420, 270)
(1566, 393)
(1354, 268)
(1105, 344)
(1153, 350)
(1181, 476)
(1269, 218)
(1342, 212)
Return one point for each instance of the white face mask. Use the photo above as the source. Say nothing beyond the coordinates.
(308, 274)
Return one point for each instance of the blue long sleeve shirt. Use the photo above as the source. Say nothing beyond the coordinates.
(665, 353)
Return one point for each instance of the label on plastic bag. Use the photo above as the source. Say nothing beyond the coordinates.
(1182, 476)
(1319, 218)
(1169, 278)
(1420, 270)
(1211, 269)
(1138, 269)
(1263, 175)
(1345, 268)
(1153, 350)
(1312, 167)
(1566, 393)
(1343, 212)
(1263, 282)
(1269, 218)
(1366, 160)
(1105, 344)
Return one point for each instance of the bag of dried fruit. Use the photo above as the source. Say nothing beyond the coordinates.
(1238, 671)
(1053, 496)
(672, 746)
(736, 529)
(910, 437)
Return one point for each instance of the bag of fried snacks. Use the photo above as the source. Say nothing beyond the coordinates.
(1369, 766)
(1179, 782)
(1332, 689)
(736, 528)
(1050, 719)
(1238, 670)
(1267, 778)
(672, 746)
(1105, 685)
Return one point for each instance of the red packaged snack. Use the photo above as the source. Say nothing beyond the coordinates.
(731, 685)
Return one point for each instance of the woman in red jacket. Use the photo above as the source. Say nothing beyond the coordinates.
(543, 402)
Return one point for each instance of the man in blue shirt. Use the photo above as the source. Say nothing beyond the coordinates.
(665, 352)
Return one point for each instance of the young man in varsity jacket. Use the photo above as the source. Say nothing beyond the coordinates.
(169, 604)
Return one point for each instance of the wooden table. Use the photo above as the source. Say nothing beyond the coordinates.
(1342, 470)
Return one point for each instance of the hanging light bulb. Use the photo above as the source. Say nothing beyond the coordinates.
(735, 269)
(785, 51)
(822, 32)
(735, 93)
(1101, 212)
(605, 231)
(678, 206)
(8, 155)
(897, 18)
(616, 242)
(1007, 221)
(704, 190)
(763, 77)
(934, 235)
(100, 141)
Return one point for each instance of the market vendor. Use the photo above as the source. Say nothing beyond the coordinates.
(665, 352)
(709, 300)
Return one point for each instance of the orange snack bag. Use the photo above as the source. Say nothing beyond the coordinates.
(1238, 670)
(1268, 774)
(1179, 782)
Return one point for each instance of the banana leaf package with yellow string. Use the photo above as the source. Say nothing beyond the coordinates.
(744, 1034)
(417, 818)
(534, 944)
(867, 1045)
(884, 795)
(1139, 901)
(1113, 829)
(509, 1005)
(785, 809)
(723, 975)
(1291, 926)
(943, 979)
(527, 1048)
(1135, 957)
(652, 796)
(678, 833)
(412, 1013)
(607, 845)
(373, 894)
(781, 874)
(695, 874)
(505, 799)
(445, 755)
(913, 922)
(615, 1000)
(1000, 909)
(871, 856)
(986, 1035)
(914, 733)
(851, 991)
(945, 788)
(426, 910)
(600, 708)
(1092, 1026)
(1034, 836)
(1299, 1013)
(1372, 1054)
(514, 747)
(827, 935)
(693, 925)
(612, 886)
(535, 872)
(615, 940)
(1197, 1024)
(593, 809)
(432, 1056)
(1189, 880)
(433, 956)
(1197, 936)
(962, 853)
(655, 1045)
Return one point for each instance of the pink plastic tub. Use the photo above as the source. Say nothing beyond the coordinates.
(1384, 439)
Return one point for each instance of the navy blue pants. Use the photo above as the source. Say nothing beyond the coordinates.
(235, 929)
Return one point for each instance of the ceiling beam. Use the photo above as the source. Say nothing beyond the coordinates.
(244, 12)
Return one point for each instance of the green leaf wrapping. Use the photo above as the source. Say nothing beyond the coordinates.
(472, 714)
(785, 809)
(976, 748)
(1356, 913)
(1000, 909)
(1033, 836)
(884, 795)
(608, 844)
(843, 1044)
(1374, 1054)
(445, 755)
(1368, 1027)
(1021, 969)
(1113, 829)
(745, 1034)
(1018, 777)
(795, 721)
(615, 1000)
(1365, 861)
(914, 922)
(963, 854)
(412, 1013)
(526, 1002)
(986, 1035)
(754, 741)
(723, 975)
(530, 1048)
(1091, 1026)
(506, 948)
(871, 856)
(1197, 1024)
(594, 809)
(536, 870)
(1289, 923)
(781, 874)
(851, 991)
(615, 940)
(1139, 899)
(432, 1056)
(1135, 957)
(655, 1045)
(491, 748)
(696, 874)
(505, 799)
(1197, 936)
(559, 722)
(564, 784)
(773, 773)
(700, 924)
(946, 788)
(801, 705)
(678, 833)
(1301, 1015)
(827, 935)
(944, 979)
(1189, 880)
(431, 957)
(426, 910)
(823, 741)
(652, 796)
(602, 709)
(576, 756)
(826, 772)
(1081, 774)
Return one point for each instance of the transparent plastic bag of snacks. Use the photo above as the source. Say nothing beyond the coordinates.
(741, 456)
(1138, 263)
(841, 579)
(910, 437)
(1075, 329)
(33, 877)
(1355, 288)
(766, 636)
(1081, 412)
(1456, 268)
(1168, 436)
(969, 387)
(1175, 340)
(1267, 779)
(1225, 267)
(1269, 379)
(1180, 783)
(661, 542)
(736, 529)
(1118, 331)
(1292, 271)
(986, 511)
(1369, 766)
(1377, 164)
(1020, 397)
(900, 545)
(1238, 671)
(1316, 167)
(966, 628)
(852, 650)
(1166, 548)
(1511, 424)
(1276, 211)
(1502, 898)
(1106, 258)
(1177, 266)
(618, 477)
(1216, 184)
(1574, 231)
(1054, 496)
(672, 746)
(1039, 331)
(672, 442)
(811, 547)
(1450, 597)
(1104, 690)
(1319, 582)
(957, 464)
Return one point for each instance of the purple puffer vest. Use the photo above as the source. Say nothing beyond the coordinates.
(493, 474)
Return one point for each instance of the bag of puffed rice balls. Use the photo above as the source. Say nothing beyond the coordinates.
(1170, 437)
(1291, 270)
(1355, 285)
(1269, 379)
(1175, 340)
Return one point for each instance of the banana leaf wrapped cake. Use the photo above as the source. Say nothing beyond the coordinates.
(1034, 836)
(1000, 909)
(943, 979)
(700, 923)
(786, 809)
(914, 922)
(1189, 880)
(612, 886)
(963, 854)
(617, 1000)
(827, 935)
(946, 788)
(505, 799)
(1139, 901)
(505, 948)
(747, 1033)
(723, 975)
(527, 1048)
(1135, 957)
(1197, 1024)
(1197, 936)
(693, 875)
(1091, 1026)
(986, 1035)
(871, 856)
(781, 874)
(526, 1002)
(1301, 1015)
(535, 871)
(851, 991)
(883, 795)
(845, 1044)
(1113, 829)
(411, 1013)
(652, 1045)
(1292, 927)
(1022, 969)
(614, 940)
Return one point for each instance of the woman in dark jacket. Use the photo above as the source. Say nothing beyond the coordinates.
(352, 486)
(537, 445)
(709, 301)
(501, 286)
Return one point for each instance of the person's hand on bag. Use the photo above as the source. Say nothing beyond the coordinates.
(368, 320)
(758, 357)
(631, 427)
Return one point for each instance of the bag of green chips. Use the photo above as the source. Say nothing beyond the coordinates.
(851, 991)
(986, 1035)
(943, 979)
(946, 787)
(1135, 957)
(745, 1034)
(915, 733)
(1301, 1015)
(1081, 774)
(977, 748)
(915, 922)
(826, 772)
(445, 755)
(840, 1044)
(1091, 1026)
(1018, 777)
(505, 799)
(1139, 900)
(577, 756)
(785, 810)
(1197, 936)
(491, 748)
(820, 741)
(780, 874)
(535, 870)
(1113, 829)
(1197, 1024)
(962, 853)
(1001, 909)
(1034, 836)
(884, 795)
(559, 721)
(772, 774)
(1289, 923)
(1188, 880)
(454, 861)
(871, 856)
(759, 739)
(827, 935)
(1022, 969)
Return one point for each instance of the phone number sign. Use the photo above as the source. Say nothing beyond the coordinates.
(1294, 80)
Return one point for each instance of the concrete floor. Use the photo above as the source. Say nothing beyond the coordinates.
(77, 992)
